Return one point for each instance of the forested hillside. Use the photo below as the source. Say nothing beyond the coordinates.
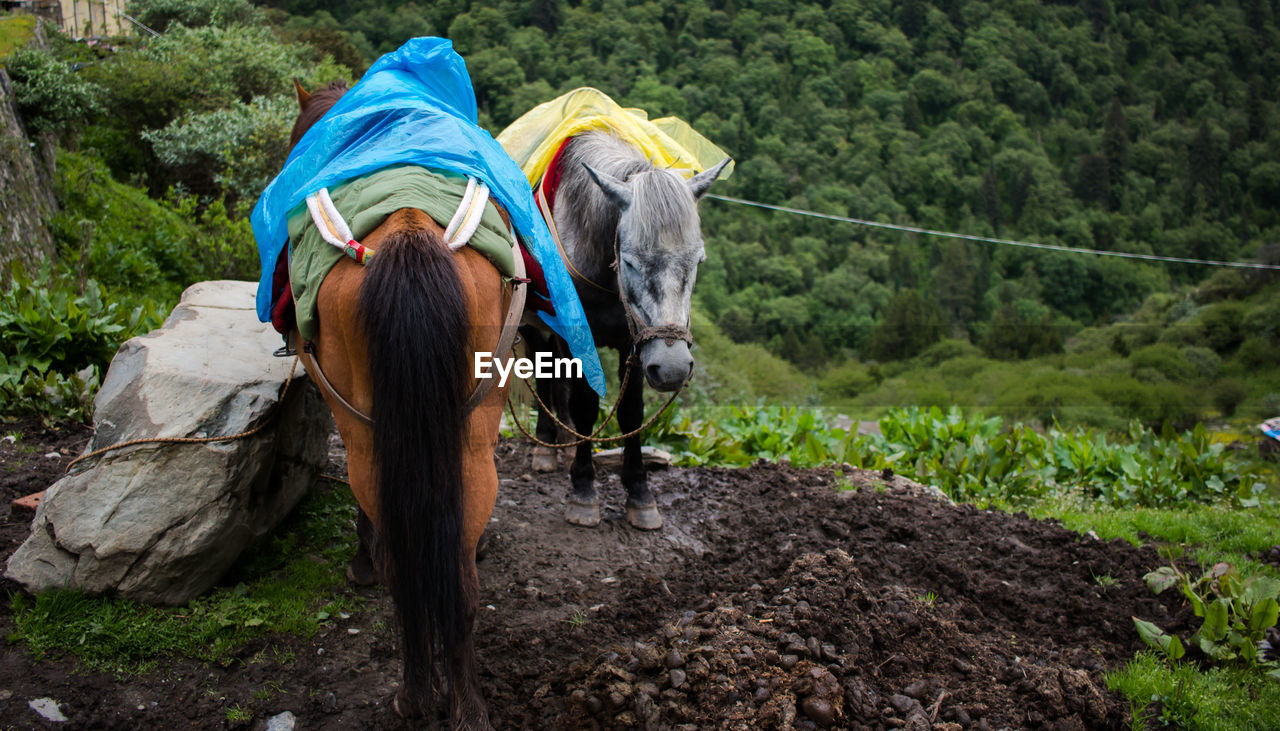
(1124, 126)
(1128, 126)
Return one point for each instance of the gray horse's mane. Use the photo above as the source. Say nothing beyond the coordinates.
(587, 227)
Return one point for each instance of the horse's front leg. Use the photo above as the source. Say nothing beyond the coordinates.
(642, 509)
(583, 507)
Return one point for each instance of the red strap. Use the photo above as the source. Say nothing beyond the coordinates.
(551, 178)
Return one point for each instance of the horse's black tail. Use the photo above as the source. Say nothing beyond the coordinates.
(416, 321)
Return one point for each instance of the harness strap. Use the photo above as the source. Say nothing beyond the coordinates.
(506, 340)
(545, 208)
(333, 228)
(308, 355)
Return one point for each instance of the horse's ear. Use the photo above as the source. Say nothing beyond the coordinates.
(701, 183)
(303, 95)
(617, 190)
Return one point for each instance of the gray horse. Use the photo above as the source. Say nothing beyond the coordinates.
(633, 241)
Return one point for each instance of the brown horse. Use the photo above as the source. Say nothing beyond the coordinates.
(396, 340)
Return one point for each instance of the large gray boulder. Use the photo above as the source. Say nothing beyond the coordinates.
(162, 523)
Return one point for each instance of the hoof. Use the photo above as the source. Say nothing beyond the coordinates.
(545, 459)
(360, 571)
(586, 515)
(644, 517)
(404, 707)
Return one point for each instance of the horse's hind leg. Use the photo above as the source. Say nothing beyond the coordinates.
(480, 475)
(545, 459)
(361, 571)
(583, 506)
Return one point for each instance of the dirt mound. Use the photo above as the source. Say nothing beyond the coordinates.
(769, 599)
(881, 607)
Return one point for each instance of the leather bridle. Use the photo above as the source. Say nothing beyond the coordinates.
(642, 332)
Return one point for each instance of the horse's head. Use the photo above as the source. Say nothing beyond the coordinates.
(659, 248)
(313, 105)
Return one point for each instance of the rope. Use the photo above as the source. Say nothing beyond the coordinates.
(595, 435)
(990, 240)
(193, 440)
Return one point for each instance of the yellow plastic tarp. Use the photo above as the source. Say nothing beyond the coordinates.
(533, 139)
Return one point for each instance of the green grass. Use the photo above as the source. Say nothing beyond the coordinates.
(1214, 533)
(1181, 695)
(289, 585)
(16, 32)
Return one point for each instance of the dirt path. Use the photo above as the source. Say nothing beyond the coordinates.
(769, 599)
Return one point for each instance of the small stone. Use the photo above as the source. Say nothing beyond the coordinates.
(962, 717)
(819, 710)
(52, 455)
(594, 704)
(788, 661)
(829, 653)
(648, 689)
(48, 709)
(5, 695)
(903, 704)
(330, 703)
(962, 666)
(353, 631)
(282, 722)
(674, 659)
(814, 647)
(678, 678)
(526, 477)
(918, 689)
(648, 656)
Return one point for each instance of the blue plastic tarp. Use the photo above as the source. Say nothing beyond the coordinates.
(416, 106)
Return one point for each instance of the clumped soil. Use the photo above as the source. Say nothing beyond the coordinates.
(770, 599)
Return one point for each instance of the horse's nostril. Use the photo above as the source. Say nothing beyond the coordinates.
(652, 371)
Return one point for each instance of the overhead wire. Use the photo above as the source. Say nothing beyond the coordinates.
(993, 240)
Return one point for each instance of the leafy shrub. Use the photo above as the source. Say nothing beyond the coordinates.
(1256, 352)
(1227, 395)
(49, 95)
(1263, 322)
(160, 14)
(976, 457)
(948, 349)
(1221, 324)
(130, 242)
(54, 341)
(847, 380)
(1165, 359)
(1236, 614)
(238, 148)
(1205, 362)
(1270, 406)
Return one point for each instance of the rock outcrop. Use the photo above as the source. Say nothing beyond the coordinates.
(26, 188)
(161, 523)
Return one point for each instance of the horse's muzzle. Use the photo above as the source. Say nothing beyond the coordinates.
(666, 367)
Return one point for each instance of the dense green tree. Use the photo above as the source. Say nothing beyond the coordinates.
(910, 324)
